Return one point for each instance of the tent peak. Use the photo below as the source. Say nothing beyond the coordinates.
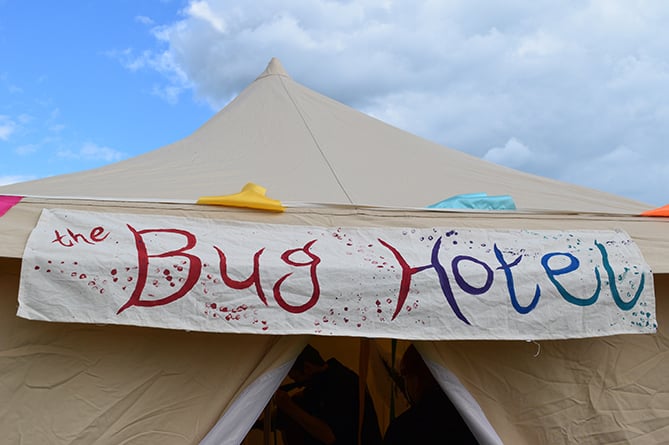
(274, 67)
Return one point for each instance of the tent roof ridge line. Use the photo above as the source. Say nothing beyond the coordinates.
(311, 133)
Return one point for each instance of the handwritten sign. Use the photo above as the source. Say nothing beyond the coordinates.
(436, 283)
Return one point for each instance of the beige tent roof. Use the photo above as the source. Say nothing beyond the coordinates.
(303, 146)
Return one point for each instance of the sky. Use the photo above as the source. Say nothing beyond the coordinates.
(577, 91)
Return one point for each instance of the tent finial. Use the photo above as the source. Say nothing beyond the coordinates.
(274, 67)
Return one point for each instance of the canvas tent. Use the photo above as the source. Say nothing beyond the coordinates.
(332, 167)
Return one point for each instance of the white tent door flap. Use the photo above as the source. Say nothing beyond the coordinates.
(438, 283)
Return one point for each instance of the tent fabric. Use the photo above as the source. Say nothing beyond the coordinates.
(462, 399)
(305, 147)
(234, 425)
(330, 166)
(610, 390)
(81, 384)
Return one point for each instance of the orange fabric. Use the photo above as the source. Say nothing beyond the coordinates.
(660, 211)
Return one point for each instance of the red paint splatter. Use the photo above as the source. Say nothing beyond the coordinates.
(114, 271)
(36, 267)
(82, 276)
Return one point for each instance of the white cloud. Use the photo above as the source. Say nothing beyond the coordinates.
(27, 149)
(201, 10)
(625, 172)
(144, 20)
(13, 179)
(539, 45)
(93, 152)
(514, 154)
(161, 62)
(7, 127)
(572, 81)
(25, 118)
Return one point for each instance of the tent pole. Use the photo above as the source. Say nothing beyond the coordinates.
(267, 424)
(363, 365)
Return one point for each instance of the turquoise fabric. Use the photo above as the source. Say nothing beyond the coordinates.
(479, 201)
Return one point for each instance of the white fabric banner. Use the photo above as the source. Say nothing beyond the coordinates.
(405, 283)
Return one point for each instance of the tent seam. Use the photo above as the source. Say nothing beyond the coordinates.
(313, 137)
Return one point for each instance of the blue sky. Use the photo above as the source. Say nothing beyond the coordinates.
(577, 91)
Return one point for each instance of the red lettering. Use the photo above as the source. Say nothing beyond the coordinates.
(195, 267)
(72, 238)
(254, 278)
(315, 260)
(96, 234)
(60, 240)
(76, 237)
(407, 273)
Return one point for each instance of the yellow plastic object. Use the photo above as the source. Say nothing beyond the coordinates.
(252, 196)
(661, 211)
